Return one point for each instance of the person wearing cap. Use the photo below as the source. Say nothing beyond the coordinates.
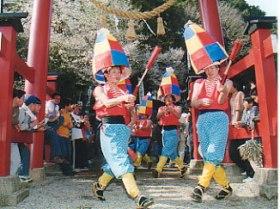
(27, 115)
(168, 116)
(142, 131)
(210, 97)
(113, 106)
(27, 121)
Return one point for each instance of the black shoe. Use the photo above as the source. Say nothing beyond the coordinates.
(143, 202)
(150, 165)
(197, 193)
(97, 191)
(183, 172)
(155, 174)
(224, 193)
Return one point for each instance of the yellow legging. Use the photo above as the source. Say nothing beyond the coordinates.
(162, 161)
(128, 181)
(211, 171)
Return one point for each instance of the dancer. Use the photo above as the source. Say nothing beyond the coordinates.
(168, 117)
(210, 97)
(142, 130)
(110, 65)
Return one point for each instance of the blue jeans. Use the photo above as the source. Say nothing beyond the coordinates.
(25, 159)
(52, 136)
(65, 146)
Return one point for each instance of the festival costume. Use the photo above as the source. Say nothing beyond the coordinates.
(169, 122)
(114, 132)
(212, 122)
(142, 130)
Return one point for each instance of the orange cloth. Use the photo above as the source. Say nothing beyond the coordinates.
(64, 129)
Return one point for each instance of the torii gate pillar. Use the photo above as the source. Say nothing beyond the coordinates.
(38, 56)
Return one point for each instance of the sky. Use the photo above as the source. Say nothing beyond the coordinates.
(269, 6)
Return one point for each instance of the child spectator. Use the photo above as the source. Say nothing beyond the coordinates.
(64, 129)
(250, 113)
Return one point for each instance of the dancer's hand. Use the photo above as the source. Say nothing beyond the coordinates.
(206, 102)
(221, 88)
(129, 98)
(130, 105)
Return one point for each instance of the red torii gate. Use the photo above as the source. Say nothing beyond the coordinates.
(34, 71)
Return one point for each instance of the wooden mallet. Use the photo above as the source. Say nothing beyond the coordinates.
(149, 66)
(237, 46)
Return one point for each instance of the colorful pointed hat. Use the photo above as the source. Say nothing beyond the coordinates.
(125, 85)
(108, 52)
(169, 85)
(202, 48)
(146, 105)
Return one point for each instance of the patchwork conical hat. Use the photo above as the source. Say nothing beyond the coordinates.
(169, 85)
(125, 85)
(202, 48)
(146, 105)
(108, 52)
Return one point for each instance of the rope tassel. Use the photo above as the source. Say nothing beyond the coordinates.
(103, 21)
(131, 34)
(160, 27)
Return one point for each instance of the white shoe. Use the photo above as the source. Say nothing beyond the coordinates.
(243, 173)
(247, 180)
(25, 179)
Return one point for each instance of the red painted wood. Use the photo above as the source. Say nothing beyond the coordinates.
(267, 93)
(196, 155)
(38, 55)
(211, 20)
(23, 69)
(242, 65)
(268, 49)
(6, 86)
(241, 133)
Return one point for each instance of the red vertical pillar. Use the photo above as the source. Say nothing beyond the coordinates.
(267, 93)
(38, 56)
(194, 130)
(194, 134)
(7, 54)
(211, 20)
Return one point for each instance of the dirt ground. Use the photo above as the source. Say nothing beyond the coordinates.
(60, 192)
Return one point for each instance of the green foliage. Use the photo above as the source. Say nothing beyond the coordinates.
(246, 10)
(174, 19)
(74, 25)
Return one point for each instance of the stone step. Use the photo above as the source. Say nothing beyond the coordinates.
(269, 191)
(9, 184)
(14, 198)
(53, 170)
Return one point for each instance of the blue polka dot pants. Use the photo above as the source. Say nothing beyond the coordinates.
(114, 144)
(212, 128)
